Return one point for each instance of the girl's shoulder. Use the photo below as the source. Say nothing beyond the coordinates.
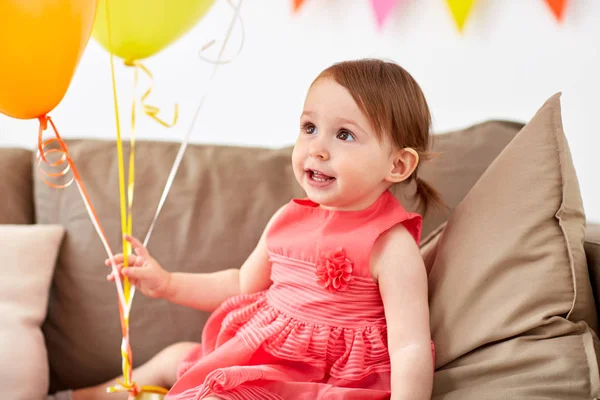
(393, 213)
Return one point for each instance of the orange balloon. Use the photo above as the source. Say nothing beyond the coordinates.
(41, 43)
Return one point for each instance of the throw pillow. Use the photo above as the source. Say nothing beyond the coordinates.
(28, 254)
(512, 311)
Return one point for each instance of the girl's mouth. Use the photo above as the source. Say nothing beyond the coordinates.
(319, 179)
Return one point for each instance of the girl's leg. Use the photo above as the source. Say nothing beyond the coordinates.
(161, 370)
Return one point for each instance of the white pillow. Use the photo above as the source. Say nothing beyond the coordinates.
(27, 258)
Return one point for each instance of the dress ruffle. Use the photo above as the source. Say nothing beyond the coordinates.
(296, 351)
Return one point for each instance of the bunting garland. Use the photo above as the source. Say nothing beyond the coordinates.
(558, 8)
(460, 9)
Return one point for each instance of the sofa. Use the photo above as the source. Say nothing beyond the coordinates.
(514, 269)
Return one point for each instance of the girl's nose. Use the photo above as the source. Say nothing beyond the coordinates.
(318, 149)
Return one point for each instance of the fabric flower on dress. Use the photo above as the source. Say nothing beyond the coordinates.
(334, 271)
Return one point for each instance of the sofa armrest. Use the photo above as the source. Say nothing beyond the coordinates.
(592, 253)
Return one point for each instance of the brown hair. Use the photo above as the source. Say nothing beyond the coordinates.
(395, 106)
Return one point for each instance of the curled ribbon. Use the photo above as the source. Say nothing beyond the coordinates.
(236, 17)
(150, 111)
(66, 165)
(133, 389)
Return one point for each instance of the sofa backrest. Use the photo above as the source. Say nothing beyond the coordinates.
(16, 186)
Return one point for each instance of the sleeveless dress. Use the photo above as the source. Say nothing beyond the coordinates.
(319, 331)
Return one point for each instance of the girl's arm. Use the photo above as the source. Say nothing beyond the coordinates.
(206, 291)
(397, 266)
(203, 291)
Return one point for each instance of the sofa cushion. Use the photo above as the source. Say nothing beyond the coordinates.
(220, 201)
(16, 186)
(512, 311)
(463, 157)
(28, 254)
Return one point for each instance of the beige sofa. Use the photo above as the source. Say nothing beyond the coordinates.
(511, 291)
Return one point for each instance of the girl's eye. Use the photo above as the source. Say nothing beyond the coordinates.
(309, 128)
(345, 135)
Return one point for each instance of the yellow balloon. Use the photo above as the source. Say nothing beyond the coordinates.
(41, 43)
(141, 28)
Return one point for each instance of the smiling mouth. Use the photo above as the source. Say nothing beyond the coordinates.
(318, 176)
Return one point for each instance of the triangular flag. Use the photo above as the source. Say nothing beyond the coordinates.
(558, 8)
(383, 9)
(460, 11)
(297, 4)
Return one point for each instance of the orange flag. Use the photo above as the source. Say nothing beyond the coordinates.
(460, 10)
(558, 8)
(297, 4)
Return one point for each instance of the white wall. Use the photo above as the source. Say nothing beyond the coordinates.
(512, 56)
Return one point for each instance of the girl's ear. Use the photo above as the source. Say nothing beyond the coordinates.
(405, 162)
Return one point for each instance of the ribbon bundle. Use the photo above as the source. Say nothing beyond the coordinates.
(57, 169)
(126, 192)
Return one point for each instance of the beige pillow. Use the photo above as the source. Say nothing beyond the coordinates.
(512, 312)
(28, 254)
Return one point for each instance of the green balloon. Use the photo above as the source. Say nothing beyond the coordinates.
(142, 28)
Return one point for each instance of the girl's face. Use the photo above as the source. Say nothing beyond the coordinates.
(338, 160)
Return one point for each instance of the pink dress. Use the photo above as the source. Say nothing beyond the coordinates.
(319, 331)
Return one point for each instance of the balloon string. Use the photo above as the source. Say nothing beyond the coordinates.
(127, 358)
(127, 195)
(131, 177)
(184, 143)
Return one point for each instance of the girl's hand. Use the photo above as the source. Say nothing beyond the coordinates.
(143, 271)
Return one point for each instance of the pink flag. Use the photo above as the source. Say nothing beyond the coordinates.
(382, 9)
